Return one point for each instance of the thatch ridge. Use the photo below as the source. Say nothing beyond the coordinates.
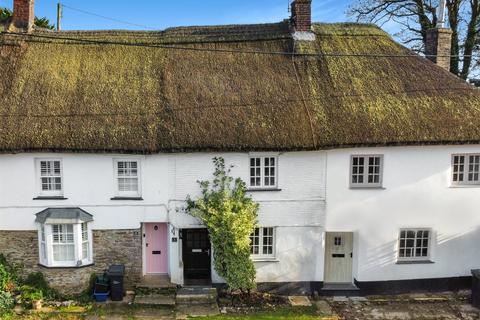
(66, 96)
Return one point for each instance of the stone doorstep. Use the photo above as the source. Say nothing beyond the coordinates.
(196, 296)
(155, 300)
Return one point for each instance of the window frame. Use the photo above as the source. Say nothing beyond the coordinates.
(261, 255)
(262, 185)
(127, 194)
(48, 260)
(414, 258)
(365, 183)
(465, 171)
(38, 175)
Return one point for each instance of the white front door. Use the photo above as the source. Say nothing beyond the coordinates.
(338, 257)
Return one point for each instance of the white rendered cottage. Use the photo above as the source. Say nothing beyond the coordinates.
(363, 156)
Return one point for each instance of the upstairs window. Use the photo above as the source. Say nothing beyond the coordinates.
(263, 243)
(127, 178)
(466, 169)
(263, 172)
(366, 171)
(50, 177)
(414, 244)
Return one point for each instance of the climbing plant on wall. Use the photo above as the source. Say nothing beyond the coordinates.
(230, 216)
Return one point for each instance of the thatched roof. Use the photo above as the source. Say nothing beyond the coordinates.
(62, 95)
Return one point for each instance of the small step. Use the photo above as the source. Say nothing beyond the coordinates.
(339, 286)
(196, 295)
(155, 300)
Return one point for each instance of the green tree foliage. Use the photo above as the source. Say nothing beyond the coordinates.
(230, 217)
(43, 22)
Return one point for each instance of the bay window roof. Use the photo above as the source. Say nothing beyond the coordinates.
(63, 216)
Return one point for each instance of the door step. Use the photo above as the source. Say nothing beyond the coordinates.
(196, 295)
(154, 299)
(339, 289)
(339, 286)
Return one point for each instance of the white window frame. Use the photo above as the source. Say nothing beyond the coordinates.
(466, 170)
(79, 260)
(38, 168)
(261, 255)
(262, 158)
(365, 183)
(127, 194)
(415, 258)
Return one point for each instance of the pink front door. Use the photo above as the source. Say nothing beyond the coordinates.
(156, 247)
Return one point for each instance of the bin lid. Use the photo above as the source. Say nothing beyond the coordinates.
(116, 270)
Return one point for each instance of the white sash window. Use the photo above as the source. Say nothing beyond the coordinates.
(127, 179)
(49, 177)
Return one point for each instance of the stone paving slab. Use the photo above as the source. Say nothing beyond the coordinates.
(299, 301)
(197, 310)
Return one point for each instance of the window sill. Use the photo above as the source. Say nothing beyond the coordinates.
(263, 189)
(265, 260)
(367, 188)
(67, 267)
(50, 198)
(465, 186)
(127, 198)
(415, 262)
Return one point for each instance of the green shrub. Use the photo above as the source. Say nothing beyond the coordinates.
(7, 302)
(37, 281)
(8, 275)
(230, 217)
(29, 294)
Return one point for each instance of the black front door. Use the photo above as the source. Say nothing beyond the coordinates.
(196, 256)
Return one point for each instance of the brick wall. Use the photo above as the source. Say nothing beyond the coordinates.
(302, 15)
(109, 247)
(438, 46)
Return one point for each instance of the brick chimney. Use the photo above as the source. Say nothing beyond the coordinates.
(301, 20)
(439, 41)
(23, 14)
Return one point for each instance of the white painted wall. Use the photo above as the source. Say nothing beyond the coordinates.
(417, 193)
(297, 211)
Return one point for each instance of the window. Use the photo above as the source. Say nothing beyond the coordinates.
(65, 245)
(50, 177)
(263, 172)
(466, 169)
(366, 171)
(127, 178)
(414, 244)
(263, 243)
(85, 242)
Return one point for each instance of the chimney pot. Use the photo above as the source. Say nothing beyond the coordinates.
(23, 14)
(438, 45)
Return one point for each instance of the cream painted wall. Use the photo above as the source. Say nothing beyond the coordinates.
(416, 193)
